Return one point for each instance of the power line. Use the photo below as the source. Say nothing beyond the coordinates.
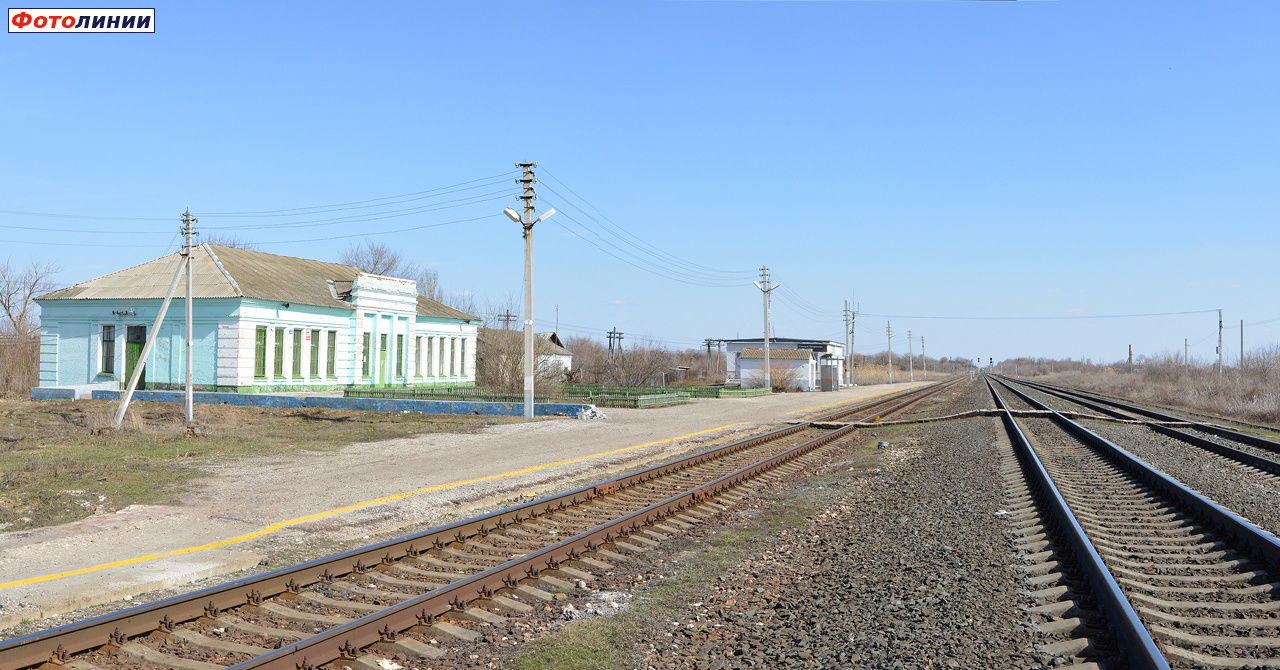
(284, 212)
(668, 273)
(1043, 318)
(607, 223)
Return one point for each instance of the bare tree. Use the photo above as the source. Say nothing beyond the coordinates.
(379, 259)
(641, 364)
(224, 240)
(18, 290)
(20, 327)
(429, 284)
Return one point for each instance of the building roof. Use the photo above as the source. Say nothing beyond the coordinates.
(429, 307)
(543, 343)
(230, 272)
(779, 354)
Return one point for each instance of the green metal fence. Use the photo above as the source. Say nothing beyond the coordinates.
(632, 400)
(592, 390)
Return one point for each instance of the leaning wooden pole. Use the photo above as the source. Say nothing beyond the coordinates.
(151, 340)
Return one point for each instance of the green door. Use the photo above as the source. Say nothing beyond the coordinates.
(135, 340)
(382, 359)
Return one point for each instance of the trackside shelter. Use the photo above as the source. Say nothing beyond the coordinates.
(262, 322)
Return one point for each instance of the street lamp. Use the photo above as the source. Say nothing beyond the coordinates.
(528, 222)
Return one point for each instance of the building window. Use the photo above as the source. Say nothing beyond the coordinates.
(260, 353)
(453, 368)
(443, 354)
(364, 355)
(399, 355)
(279, 371)
(417, 356)
(462, 357)
(315, 353)
(109, 350)
(383, 370)
(297, 353)
(431, 353)
(331, 366)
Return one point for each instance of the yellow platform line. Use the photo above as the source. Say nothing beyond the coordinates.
(320, 515)
(845, 402)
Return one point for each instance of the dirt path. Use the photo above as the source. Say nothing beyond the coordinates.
(257, 507)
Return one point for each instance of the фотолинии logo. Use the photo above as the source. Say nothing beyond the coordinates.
(97, 20)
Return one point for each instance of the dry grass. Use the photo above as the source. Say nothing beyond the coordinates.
(1249, 392)
(61, 461)
(19, 364)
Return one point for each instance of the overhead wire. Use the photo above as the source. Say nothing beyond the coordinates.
(622, 233)
(285, 212)
(653, 268)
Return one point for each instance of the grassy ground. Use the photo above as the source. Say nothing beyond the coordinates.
(61, 461)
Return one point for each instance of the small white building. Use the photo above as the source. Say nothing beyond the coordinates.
(792, 369)
(261, 322)
(827, 358)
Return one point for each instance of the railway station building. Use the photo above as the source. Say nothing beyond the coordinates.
(261, 323)
(810, 361)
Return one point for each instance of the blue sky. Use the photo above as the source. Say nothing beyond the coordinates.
(962, 159)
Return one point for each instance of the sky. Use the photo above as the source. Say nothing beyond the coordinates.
(1000, 178)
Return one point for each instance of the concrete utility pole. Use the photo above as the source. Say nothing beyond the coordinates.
(924, 361)
(766, 289)
(853, 343)
(708, 342)
(846, 342)
(1219, 344)
(188, 222)
(1186, 352)
(911, 359)
(888, 329)
(1241, 345)
(1130, 354)
(526, 181)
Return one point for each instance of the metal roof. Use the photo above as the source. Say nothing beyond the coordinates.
(780, 354)
(229, 272)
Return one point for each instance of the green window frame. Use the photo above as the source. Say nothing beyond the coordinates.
(331, 365)
(315, 353)
(431, 356)
(260, 353)
(399, 355)
(297, 353)
(453, 366)
(417, 356)
(364, 355)
(462, 357)
(108, 349)
(279, 370)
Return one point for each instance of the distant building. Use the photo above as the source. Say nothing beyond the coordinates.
(262, 322)
(821, 354)
(500, 357)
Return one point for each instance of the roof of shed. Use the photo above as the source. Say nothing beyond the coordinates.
(779, 354)
(542, 342)
(230, 272)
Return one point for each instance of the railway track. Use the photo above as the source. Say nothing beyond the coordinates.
(1181, 581)
(1250, 450)
(359, 608)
